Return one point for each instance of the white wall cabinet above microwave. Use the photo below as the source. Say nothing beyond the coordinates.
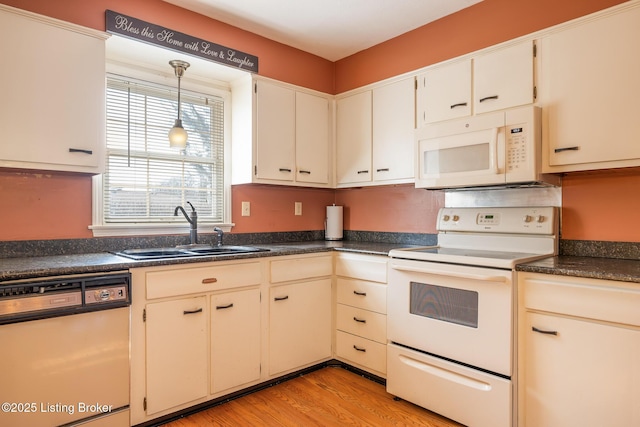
(495, 80)
(281, 135)
(374, 135)
(589, 90)
(53, 94)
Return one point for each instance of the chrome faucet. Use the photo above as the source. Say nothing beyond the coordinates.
(220, 233)
(193, 221)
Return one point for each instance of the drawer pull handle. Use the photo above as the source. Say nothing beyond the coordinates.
(459, 104)
(542, 331)
(222, 307)
(382, 170)
(281, 298)
(560, 150)
(363, 171)
(80, 150)
(284, 170)
(362, 294)
(305, 171)
(488, 98)
(359, 320)
(199, 310)
(364, 350)
(209, 280)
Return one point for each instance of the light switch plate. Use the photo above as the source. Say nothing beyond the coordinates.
(298, 208)
(246, 209)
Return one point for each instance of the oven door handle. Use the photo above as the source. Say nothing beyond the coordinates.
(471, 276)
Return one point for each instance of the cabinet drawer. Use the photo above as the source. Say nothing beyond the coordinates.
(365, 267)
(360, 322)
(300, 268)
(361, 294)
(605, 300)
(184, 281)
(364, 352)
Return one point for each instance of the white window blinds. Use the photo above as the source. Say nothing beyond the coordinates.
(145, 179)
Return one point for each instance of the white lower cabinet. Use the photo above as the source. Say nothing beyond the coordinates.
(299, 312)
(202, 331)
(579, 352)
(299, 325)
(176, 352)
(196, 334)
(361, 311)
(235, 339)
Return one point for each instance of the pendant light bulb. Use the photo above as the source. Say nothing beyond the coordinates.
(178, 135)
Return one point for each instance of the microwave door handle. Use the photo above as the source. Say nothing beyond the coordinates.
(494, 154)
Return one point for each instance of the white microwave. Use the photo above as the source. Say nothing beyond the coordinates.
(491, 149)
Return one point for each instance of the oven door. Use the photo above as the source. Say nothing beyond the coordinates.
(452, 311)
(462, 152)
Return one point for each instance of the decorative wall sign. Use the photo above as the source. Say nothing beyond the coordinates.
(137, 29)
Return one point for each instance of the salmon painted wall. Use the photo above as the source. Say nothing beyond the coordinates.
(275, 60)
(601, 206)
(53, 205)
(482, 25)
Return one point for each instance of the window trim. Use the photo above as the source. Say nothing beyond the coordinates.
(214, 88)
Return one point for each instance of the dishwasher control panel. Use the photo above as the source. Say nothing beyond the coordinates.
(106, 294)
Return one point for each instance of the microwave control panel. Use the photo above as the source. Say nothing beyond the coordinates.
(516, 147)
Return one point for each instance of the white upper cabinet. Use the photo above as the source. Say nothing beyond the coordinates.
(276, 133)
(497, 79)
(353, 138)
(312, 138)
(589, 92)
(53, 94)
(444, 92)
(281, 134)
(393, 128)
(374, 135)
(503, 78)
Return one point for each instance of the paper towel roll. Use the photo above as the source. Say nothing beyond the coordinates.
(333, 223)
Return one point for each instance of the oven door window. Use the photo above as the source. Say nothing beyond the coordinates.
(459, 306)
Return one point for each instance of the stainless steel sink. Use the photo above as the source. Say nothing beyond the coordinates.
(186, 251)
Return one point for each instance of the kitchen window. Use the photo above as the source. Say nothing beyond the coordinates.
(144, 178)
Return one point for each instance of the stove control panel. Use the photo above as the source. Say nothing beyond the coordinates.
(526, 220)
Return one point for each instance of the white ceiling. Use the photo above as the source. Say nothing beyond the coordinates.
(331, 29)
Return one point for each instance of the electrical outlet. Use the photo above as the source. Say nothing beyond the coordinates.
(246, 209)
(298, 208)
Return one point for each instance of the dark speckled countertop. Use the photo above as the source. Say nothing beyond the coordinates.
(626, 270)
(56, 265)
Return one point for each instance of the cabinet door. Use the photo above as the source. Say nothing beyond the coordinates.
(586, 374)
(393, 129)
(176, 352)
(503, 78)
(353, 138)
(52, 113)
(275, 132)
(444, 92)
(589, 92)
(235, 339)
(312, 138)
(299, 325)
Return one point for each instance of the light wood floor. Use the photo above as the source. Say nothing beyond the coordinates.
(331, 396)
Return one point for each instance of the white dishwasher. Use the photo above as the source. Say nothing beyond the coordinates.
(65, 351)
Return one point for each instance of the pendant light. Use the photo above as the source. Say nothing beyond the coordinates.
(177, 134)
